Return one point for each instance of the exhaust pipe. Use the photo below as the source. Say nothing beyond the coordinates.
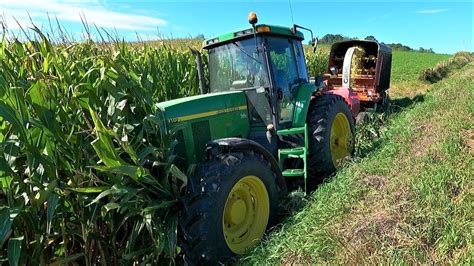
(199, 68)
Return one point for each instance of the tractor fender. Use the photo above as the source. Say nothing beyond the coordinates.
(349, 96)
(303, 99)
(225, 145)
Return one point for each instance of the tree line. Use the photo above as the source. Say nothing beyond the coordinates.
(332, 38)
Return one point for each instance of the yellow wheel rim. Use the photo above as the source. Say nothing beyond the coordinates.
(246, 214)
(341, 139)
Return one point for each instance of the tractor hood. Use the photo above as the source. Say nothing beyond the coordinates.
(199, 119)
(202, 106)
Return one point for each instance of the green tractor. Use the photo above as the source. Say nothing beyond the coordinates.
(259, 126)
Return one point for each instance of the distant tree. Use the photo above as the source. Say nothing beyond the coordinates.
(423, 50)
(200, 37)
(400, 47)
(371, 38)
(332, 38)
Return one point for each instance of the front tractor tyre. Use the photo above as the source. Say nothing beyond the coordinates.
(331, 139)
(227, 207)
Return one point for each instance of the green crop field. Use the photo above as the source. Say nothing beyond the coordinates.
(408, 65)
(77, 127)
(85, 176)
(406, 69)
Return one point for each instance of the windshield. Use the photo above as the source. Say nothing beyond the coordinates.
(237, 65)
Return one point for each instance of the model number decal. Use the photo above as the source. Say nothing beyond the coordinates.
(206, 114)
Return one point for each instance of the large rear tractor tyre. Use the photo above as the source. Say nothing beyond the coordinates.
(227, 207)
(331, 135)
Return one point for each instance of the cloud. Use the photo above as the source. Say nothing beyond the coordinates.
(431, 11)
(94, 11)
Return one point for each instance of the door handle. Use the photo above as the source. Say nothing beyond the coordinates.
(279, 94)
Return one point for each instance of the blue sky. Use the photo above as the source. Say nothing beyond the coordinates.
(446, 26)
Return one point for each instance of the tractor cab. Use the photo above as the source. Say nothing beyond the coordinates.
(268, 64)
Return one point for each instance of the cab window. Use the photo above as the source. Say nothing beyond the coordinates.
(299, 54)
(285, 73)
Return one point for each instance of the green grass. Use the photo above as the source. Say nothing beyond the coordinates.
(406, 69)
(408, 201)
(406, 66)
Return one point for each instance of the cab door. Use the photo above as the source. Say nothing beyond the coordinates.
(288, 72)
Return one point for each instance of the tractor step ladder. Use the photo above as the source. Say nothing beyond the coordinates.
(296, 152)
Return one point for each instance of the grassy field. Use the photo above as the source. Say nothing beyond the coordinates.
(409, 200)
(406, 68)
(408, 65)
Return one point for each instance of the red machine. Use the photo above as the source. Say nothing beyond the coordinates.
(359, 70)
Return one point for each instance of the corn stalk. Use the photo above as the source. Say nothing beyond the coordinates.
(84, 171)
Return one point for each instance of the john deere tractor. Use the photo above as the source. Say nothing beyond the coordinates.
(260, 125)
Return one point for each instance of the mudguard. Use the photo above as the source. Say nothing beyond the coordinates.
(302, 103)
(225, 145)
(349, 96)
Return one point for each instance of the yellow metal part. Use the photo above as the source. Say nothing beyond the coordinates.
(207, 114)
(246, 214)
(341, 137)
(263, 29)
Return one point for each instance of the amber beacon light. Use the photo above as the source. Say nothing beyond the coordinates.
(253, 18)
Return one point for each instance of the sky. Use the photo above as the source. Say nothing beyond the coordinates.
(445, 26)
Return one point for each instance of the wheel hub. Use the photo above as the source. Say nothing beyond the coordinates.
(246, 214)
(340, 142)
(237, 212)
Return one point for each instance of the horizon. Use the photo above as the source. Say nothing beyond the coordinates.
(443, 26)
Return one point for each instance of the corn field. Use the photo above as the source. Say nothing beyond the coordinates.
(85, 174)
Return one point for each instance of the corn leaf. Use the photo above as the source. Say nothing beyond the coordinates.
(52, 203)
(135, 172)
(14, 250)
(5, 224)
(8, 114)
(67, 260)
(179, 175)
(89, 189)
(103, 145)
(113, 191)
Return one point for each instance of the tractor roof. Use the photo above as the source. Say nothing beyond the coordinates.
(247, 32)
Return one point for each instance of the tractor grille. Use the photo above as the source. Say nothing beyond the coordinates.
(202, 135)
(180, 148)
